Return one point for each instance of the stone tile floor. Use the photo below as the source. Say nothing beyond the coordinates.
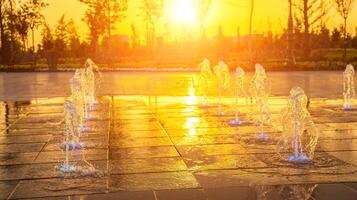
(169, 148)
(24, 86)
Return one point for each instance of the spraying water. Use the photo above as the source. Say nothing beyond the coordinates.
(348, 87)
(300, 134)
(223, 80)
(206, 77)
(76, 113)
(79, 98)
(92, 80)
(240, 88)
(258, 90)
(72, 131)
(71, 141)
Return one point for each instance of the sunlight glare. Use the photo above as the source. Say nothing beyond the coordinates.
(183, 12)
(191, 124)
(192, 98)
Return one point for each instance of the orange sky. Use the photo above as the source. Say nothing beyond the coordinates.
(269, 14)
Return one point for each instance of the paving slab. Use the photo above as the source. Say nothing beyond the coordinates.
(143, 152)
(21, 148)
(59, 187)
(191, 151)
(153, 181)
(59, 156)
(17, 158)
(181, 194)
(141, 142)
(172, 149)
(230, 193)
(6, 187)
(147, 165)
(334, 191)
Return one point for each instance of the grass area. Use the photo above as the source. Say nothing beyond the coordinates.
(334, 54)
(271, 66)
(322, 59)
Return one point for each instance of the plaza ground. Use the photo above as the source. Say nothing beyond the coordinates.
(24, 86)
(150, 139)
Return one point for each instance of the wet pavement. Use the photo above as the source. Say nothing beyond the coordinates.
(168, 147)
(24, 86)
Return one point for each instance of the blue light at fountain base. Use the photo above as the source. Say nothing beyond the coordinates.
(262, 137)
(300, 159)
(67, 168)
(348, 108)
(93, 102)
(87, 117)
(235, 122)
(84, 128)
(72, 145)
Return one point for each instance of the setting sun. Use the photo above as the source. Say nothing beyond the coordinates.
(183, 12)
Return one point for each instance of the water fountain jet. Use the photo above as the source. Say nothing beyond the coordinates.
(240, 87)
(72, 130)
(92, 80)
(300, 134)
(258, 90)
(348, 88)
(223, 80)
(71, 134)
(78, 90)
(206, 76)
(66, 167)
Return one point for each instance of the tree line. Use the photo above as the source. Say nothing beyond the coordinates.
(305, 33)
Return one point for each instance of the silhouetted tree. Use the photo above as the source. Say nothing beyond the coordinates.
(28, 16)
(7, 30)
(47, 38)
(73, 39)
(344, 7)
(310, 13)
(202, 9)
(61, 34)
(151, 11)
(290, 36)
(11, 26)
(135, 39)
(250, 40)
(336, 37)
(322, 38)
(2, 26)
(66, 37)
(22, 24)
(34, 16)
(101, 17)
(354, 42)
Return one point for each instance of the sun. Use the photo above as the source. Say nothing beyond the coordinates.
(183, 12)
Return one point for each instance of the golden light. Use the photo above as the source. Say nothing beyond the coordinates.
(191, 124)
(183, 12)
(192, 98)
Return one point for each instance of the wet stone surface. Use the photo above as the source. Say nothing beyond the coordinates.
(171, 148)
